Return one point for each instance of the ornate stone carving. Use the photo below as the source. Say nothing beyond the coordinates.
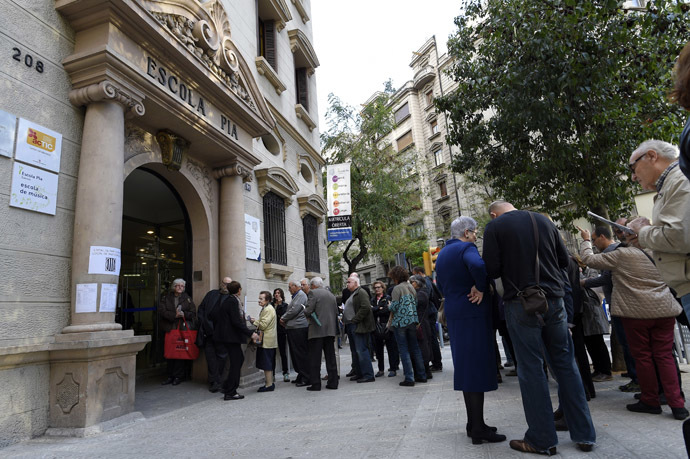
(232, 170)
(137, 142)
(173, 148)
(211, 44)
(202, 175)
(314, 205)
(67, 396)
(277, 180)
(107, 90)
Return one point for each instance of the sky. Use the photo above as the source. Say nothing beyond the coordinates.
(361, 44)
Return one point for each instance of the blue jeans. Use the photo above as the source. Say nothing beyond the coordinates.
(350, 331)
(685, 301)
(363, 355)
(617, 324)
(409, 351)
(532, 343)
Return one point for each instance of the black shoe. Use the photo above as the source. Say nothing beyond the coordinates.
(350, 374)
(354, 378)
(379, 374)
(641, 407)
(363, 380)
(468, 428)
(585, 447)
(176, 381)
(561, 425)
(487, 436)
(420, 380)
(392, 373)
(522, 445)
(270, 388)
(301, 384)
(331, 387)
(407, 383)
(233, 397)
(168, 381)
(680, 413)
(434, 368)
(214, 388)
(314, 388)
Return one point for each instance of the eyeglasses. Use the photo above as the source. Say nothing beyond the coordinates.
(633, 165)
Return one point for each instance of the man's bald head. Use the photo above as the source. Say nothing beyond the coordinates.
(498, 208)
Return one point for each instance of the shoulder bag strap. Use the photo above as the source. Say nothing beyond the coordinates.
(536, 252)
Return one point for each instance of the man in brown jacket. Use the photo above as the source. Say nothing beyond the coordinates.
(364, 318)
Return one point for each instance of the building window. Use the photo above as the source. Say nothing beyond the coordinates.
(367, 278)
(416, 230)
(405, 141)
(267, 42)
(443, 189)
(274, 229)
(302, 87)
(311, 243)
(402, 113)
(429, 97)
(438, 157)
(434, 127)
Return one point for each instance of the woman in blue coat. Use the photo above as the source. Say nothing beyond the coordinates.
(462, 277)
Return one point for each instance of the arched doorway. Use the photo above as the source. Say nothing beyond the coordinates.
(156, 249)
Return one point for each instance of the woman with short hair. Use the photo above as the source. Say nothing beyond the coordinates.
(266, 350)
(175, 306)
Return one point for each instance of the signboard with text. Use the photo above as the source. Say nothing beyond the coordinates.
(8, 125)
(339, 226)
(252, 237)
(34, 189)
(38, 146)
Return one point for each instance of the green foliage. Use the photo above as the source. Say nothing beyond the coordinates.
(415, 251)
(554, 95)
(381, 199)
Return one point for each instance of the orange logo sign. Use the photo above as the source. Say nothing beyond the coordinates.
(40, 140)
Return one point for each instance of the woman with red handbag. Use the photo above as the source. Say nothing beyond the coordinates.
(175, 306)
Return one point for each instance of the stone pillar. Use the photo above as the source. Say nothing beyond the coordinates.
(93, 361)
(231, 242)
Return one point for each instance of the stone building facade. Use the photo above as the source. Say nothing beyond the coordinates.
(143, 141)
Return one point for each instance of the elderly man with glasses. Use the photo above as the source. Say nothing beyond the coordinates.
(654, 165)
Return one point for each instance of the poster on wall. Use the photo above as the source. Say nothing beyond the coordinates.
(252, 235)
(33, 189)
(339, 226)
(108, 298)
(8, 127)
(87, 295)
(104, 260)
(38, 146)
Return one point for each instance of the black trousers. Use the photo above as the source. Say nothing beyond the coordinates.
(234, 352)
(436, 359)
(391, 346)
(581, 356)
(176, 368)
(283, 350)
(327, 345)
(216, 366)
(601, 360)
(297, 339)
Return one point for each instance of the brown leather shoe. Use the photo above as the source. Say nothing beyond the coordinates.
(522, 445)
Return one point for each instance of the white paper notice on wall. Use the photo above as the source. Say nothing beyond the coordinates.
(87, 295)
(8, 127)
(34, 189)
(252, 235)
(104, 260)
(38, 146)
(108, 298)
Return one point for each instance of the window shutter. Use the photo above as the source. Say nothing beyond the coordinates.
(270, 44)
(302, 87)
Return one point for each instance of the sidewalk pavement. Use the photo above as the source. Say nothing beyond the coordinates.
(374, 420)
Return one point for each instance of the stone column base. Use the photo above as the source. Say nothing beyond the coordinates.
(92, 379)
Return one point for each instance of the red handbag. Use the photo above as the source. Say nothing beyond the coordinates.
(179, 343)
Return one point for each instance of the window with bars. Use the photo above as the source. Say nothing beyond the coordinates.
(311, 243)
(274, 229)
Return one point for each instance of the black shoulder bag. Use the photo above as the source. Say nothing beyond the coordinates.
(532, 297)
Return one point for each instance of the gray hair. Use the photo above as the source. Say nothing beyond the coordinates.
(460, 224)
(304, 279)
(356, 279)
(317, 282)
(663, 149)
(178, 281)
(419, 280)
(295, 283)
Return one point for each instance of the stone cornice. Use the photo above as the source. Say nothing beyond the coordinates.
(314, 205)
(273, 270)
(107, 90)
(301, 10)
(265, 69)
(302, 114)
(278, 181)
(295, 134)
(300, 45)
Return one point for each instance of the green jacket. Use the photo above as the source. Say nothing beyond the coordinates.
(364, 314)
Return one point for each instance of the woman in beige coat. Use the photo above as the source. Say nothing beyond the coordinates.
(266, 350)
(648, 311)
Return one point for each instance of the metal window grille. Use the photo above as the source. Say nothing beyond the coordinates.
(274, 229)
(311, 243)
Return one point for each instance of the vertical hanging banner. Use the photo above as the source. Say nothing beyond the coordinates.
(339, 225)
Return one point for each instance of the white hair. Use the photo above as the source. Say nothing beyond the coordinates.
(460, 224)
(355, 279)
(663, 149)
(295, 283)
(317, 282)
(178, 281)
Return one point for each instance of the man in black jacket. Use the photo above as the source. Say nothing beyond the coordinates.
(229, 333)
(510, 252)
(211, 301)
